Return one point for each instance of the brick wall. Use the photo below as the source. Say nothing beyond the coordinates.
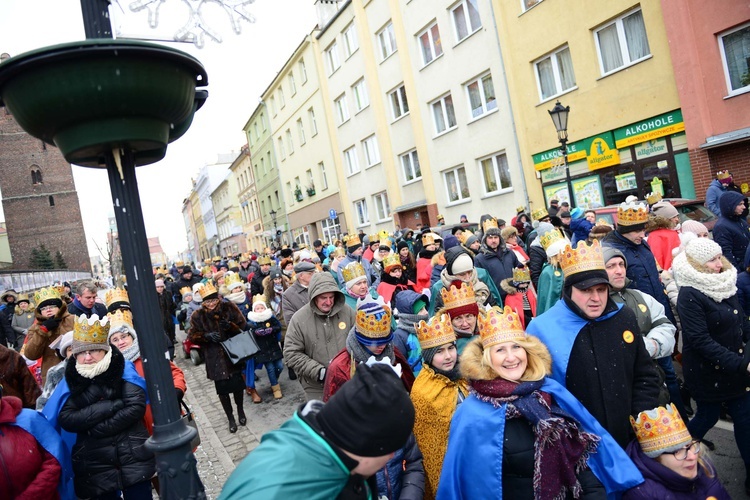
(30, 217)
(705, 164)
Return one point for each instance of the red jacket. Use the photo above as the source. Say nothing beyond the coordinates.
(179, 383)
(514, 299)
(662, 242)
(340, 371)
(424, 270)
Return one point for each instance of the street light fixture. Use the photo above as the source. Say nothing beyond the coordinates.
(559, 115)
(273, 213)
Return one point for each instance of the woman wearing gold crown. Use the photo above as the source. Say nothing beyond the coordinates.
(52, 321)
(520, 434)
(550, 280)
(674, 465)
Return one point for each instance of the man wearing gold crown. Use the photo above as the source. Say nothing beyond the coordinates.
(597, 350)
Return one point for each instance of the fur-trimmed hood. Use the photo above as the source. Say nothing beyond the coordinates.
(61, 313)
(658, 222)
(111, 378)
(472, 367)
(507, 286)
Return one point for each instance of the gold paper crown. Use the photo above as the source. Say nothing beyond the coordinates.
(384, 235)
(428, 239)
(652, 198)
(660, 430)
(539, 213)
(339, 252)
(206, 270)
(630, 214)
(114, 295)
(206, 261)
(520, 209)
(216, 258)
(392, 259)
(437, 332)
(521, 274)
(91, 330)
(264, 260)
(373, 238)
(60, 289)
(548, 238)
(457, 297)
(497, 326)
(582, 258)
(245, 257)
(489, 223)
(46, 294)
(352, 271)
(23, 296)
(120, 317)
(186, 289)
(440, 217)
(368, 324)
(723, 174)
(259, 298)
(179, 263)
(232, 263)
(208, 289)
(352, 240)
(463, 236)
(232, 280)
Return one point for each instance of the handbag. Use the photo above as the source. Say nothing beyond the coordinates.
(189, 419)
(240, 348)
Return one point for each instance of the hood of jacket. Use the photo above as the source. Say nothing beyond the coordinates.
(727, 203)
(658, 222)
(324, 283)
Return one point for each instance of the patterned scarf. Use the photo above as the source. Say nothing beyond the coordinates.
(407, 323)
(561, 448)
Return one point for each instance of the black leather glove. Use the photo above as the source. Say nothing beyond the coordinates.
(180, 394)
(118, 405)
(51, 324)
(226, 325)
(212, 337)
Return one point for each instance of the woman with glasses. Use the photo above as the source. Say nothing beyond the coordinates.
(673, 464)
(52, 321)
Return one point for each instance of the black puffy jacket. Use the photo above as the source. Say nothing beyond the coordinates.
(107, 414)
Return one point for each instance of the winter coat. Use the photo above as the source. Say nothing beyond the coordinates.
(499, 263)
(266, 335)
(550, 288)
(16, 378)
(76, 309)
(489, 296)
(179, 383)
(402, 478)
(662, 239)
(30, 471)
(246, 273)
(743, 286)
(313, 337)
(270, 295)
(580, 228)
(651, 318)
(389, 285)
(663, 483)
(731, 231)
(342, 368)
(435, 399)
(713, 193)
(514, 299)
(106, 413)
(714, 359)
(537, 259)
(38, 339)
(424, 269)
(203, 321)
(642, 271)
(294, 298)
(22, 321)
(167, 308)
(256, 285)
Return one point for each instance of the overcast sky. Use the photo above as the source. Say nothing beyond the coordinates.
(239, 69)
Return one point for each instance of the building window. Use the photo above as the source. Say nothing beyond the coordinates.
(323, 176)
(52, 201)
(735, 56)
(361, 100)
(282, 150)
(466, 18)
(291, 192)
(289, 141)
(410, 164)
(292, 85)
(429, 42)
(456, 185)
(350, 41)
(481, 96)
(262, 167)
(527, 4)
(382, 209)
(495, 174)
(387, 39)
(269, 164)
(332, 58)
(342, 110)
(622, 42)
(272, 102)
(352, 163)
(310, 180)
(36, 175)
(302, 71)
(360, 208)
(263, 121)
(278, 200)
(372, 155)
(282, 102)
(313, 123)
(399, 104)
(331, 229)
(301, 132)
(554, 74)
(443, 114)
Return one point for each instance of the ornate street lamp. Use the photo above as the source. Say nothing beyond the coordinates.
(559, 115)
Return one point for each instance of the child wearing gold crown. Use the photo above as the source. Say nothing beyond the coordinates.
(393, 278)
(266, 329)
(521, 296)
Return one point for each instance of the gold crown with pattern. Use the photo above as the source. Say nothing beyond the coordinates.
(582, 258)
(179, 263)
(457, 297)
(660, 430)
(114, 295)
(463, 236)
(232, 280)
(499, 325)
(245, 257)
(91, 330)
(352, 271)
(208, 289)
(520, 209)
(60, 289)
(259, 298)
(652, 198)
(373, 238)
(723, 175)
(205, 271)
(630, 214)
(521, 274)
(428, 239)
(216, 258)
(539, 213)
(489, 223)
(46, 294)
(438, 331)
(339, 252)
(264, 260)
(391, 260)
(369, 325)
(120, 317)
(186, 289)
(352, 240)
(206, 261)
(548, 238)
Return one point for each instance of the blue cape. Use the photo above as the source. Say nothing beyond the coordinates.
(473, 463)
(35, 424)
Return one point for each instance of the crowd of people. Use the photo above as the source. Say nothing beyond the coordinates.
(554, 356)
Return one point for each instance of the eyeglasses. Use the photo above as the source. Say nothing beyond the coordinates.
(47, 308)
(91, 353)
(682, 453)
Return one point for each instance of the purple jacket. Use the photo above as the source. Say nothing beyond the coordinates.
(665, 484)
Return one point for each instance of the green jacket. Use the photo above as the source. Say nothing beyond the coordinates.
(550, 288)
(483, 276)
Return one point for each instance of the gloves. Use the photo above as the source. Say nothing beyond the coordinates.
(180, 394)
(226, 325)
(212, 337)
(118, 405)
(51, 324)
(322, 375)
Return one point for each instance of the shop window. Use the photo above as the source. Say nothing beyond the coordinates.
(735, 56)
(331, 229)
(622, 42)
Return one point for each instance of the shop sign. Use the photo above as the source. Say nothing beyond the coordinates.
(601, 152)
(652, 128)
(654, 147)
(547, 159)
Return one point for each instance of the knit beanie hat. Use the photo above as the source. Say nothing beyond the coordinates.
(701, 250)
(693, 226)
(664, 209)
(450, 241)
(371, 415)
(458, 260)
(90, 334)
(470, 240)
(402, 244)
(429, 353)
(610, 253)
(159, 283)
(373, 322)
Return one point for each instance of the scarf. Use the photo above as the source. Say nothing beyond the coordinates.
(236, 297)
(452, 374)
(278, 288)
(408, 322)
(360, 353)
(561, 448)
(259, 317)
(91, 371)
(481, 290)
(717, 286)
(133, 352)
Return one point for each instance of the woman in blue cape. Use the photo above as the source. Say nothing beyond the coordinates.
(521, 435)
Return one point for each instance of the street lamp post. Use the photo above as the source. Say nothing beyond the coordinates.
(273, 213)
(559, 115)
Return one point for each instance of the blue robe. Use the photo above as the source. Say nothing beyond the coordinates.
(473, 462)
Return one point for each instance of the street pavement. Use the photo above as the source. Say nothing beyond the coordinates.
(220, 451)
